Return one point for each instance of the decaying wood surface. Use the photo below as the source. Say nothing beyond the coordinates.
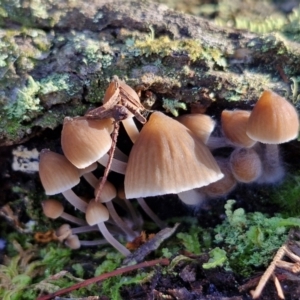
(84, 43)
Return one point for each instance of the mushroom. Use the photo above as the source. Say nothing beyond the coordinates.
(84, 141)
(53, 209)
(224, 186)
(58, 175)
(108, 193)
(245, 165)
(201, 125)
(234, 124)
(168, 158)
(73, 242)
(97, 214)
(273, 120)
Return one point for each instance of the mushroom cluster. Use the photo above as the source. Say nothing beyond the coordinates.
(168, 156)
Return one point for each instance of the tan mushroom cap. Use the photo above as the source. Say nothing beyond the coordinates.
(234, 124)
(246, 165)
(168, 158)
(96, 213)
(52, 208)
(223, 186)
(273, 120)
(57, 174)
(201, 125)
(84, 141)
(108, 192)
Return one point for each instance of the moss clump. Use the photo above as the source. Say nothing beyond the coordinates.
(251, 239)
(26, 101)
(287, 195)
(164, 46)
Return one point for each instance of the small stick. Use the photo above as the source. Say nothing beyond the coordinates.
(268, 273)
(111, 156)
(145, 264)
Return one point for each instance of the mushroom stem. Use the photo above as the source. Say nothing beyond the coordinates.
(93, 243)
(91, 179)
(73, 219)
(119, 155)
(217, 142)
(116, 165)
(273, 170)
(107, 235)
(75, 200)
(151, 213)
(135, 217)
(131, 129)
(118, 220)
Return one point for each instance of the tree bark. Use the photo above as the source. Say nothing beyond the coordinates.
(57, 58)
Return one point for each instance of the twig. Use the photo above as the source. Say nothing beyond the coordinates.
(145, 264)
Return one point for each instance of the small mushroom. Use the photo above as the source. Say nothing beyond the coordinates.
(245, 165)
(168, 158)
(224, 186)
(84, 141)
(234, 125)
(97, 214)
(58, 175)
(201, 125)
(73, 242)
(273, 120)
(108, 193)
(53, 209)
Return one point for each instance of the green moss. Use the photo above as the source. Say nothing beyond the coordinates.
(25, 102)
(250, 240)
(164, 46)
(287, 195)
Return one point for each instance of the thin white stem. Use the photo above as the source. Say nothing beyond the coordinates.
(116, 165)
(217, 142)
(111, 240)
(151, 213)
(75, 200)
(72, 219)
(136, 218)
(119, 155)
(93, 243)
(118, 220)
(91, 179)
(131, 129)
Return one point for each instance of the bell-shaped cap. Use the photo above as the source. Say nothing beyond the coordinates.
(57, 174)
(273, 120)
(201, 125)
(168, 158)
(52, 208)
(84, 141)
(108, 192)
(234, 124)
(96, 213)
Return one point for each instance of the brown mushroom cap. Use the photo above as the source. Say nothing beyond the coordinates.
(96, 213)
(201, 125)
(273, 120)
(84, 141)
(223, 186)
(57, 174)
(234, 124)
(168, 158)
(52, 208)
(245, 165)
